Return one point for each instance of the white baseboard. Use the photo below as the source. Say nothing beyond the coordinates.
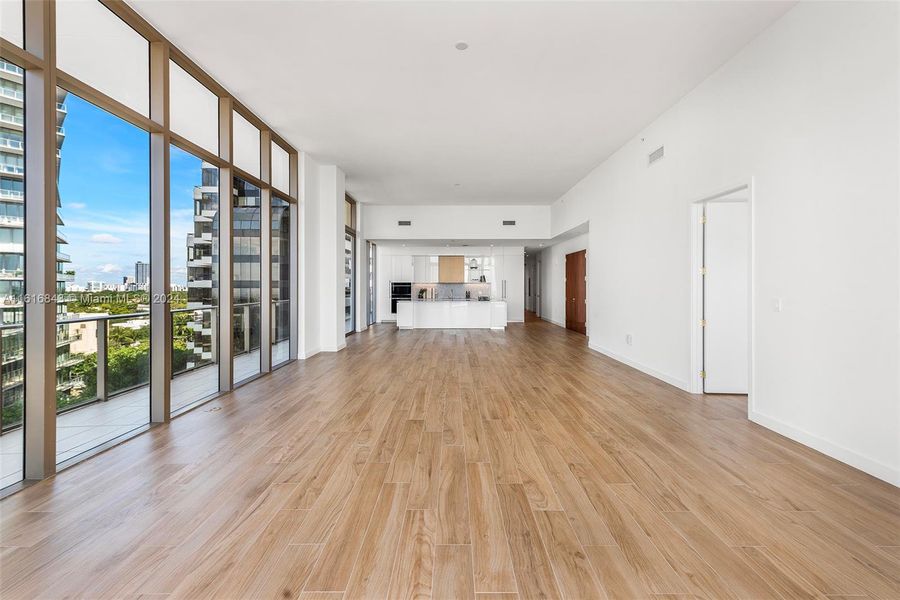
(310, 353)
(679, 383)
(854, 459)
(557, 323)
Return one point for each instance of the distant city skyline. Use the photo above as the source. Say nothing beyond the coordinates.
(105, 196)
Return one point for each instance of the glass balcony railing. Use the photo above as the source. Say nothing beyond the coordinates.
(12, 144)
(11, 93)
(12, 374)
(281, 331)
(13, 169)
(12, 194)
(14, 119)
(11, 68)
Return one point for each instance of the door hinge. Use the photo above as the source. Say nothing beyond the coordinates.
(702, 219)
(703, 270)
(702, 322)
(702, 374)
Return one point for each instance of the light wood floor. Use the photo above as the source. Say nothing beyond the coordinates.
(451, 464)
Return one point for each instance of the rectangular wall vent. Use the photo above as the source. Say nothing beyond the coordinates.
(404, 223)
(509, 222)
(656, 155)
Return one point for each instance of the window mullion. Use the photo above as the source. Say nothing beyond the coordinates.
(40, 244)
(160, 315)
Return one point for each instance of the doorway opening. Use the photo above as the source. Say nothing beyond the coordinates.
(576, 291)
(722, 293)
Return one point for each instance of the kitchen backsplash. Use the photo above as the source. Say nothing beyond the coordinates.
(451, 290)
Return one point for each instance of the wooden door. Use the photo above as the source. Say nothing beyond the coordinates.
(576, 291)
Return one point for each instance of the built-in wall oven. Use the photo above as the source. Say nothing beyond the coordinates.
(400, 290)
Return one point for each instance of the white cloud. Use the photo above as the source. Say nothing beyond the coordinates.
(105, 238)
(76, 205)
(109, 268)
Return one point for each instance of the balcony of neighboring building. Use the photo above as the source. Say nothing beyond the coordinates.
(11, 72)
(10, 195)
(10, 144)
(12, 94)
(12, 121)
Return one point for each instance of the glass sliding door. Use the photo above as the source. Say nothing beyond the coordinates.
(246, 279)
(349, 283)
(281, 281)
(194, 277)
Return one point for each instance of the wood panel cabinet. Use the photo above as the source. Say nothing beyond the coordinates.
(452, 269)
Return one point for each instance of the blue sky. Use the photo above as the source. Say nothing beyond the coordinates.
(105, 195)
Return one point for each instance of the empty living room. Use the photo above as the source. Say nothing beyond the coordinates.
(439, 299)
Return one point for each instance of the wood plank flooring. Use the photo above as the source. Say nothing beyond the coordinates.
(456, 464)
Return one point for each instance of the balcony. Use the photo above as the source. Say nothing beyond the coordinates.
(12, 195)
(15, 221)
(11, 274)
(120, 403)
(12, 169)
(12, 119)
(12, 144)
(61, 107)
(7, 67)
(12, 94)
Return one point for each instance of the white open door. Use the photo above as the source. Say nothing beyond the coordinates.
(726, 248)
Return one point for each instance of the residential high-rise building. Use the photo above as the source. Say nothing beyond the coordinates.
(12, 249)
(141, 274)
(203, 267)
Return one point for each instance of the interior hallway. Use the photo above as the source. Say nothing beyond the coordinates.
(448, 463)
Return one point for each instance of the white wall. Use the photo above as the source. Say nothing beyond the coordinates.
(331, 258)
(809, 111)
(553, 280)
(310, 342)
(457, 222)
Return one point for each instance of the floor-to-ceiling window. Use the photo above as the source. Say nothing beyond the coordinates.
(246, 278)
(194, 277)
(12, 272)
(370, 283)
(281, 280)
(103, 265)
(113, 177)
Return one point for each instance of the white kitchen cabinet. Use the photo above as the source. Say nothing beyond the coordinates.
(507, 278)
(422, 271)
(514, 275)
(402, 268)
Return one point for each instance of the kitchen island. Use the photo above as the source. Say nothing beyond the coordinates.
(451, 314)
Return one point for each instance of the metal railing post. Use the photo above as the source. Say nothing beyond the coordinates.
(214, 334)
(245, 323)
(102, 360)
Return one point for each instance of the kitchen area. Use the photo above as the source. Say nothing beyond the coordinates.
(450, 287)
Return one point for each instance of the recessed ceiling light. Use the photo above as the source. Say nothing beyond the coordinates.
(461, 46)
(541, 245)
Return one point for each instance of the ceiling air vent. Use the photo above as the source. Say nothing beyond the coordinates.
(656, 155)
(509, 222)
(404, 223)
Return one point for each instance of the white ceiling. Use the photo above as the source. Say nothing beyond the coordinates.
(546, 90)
